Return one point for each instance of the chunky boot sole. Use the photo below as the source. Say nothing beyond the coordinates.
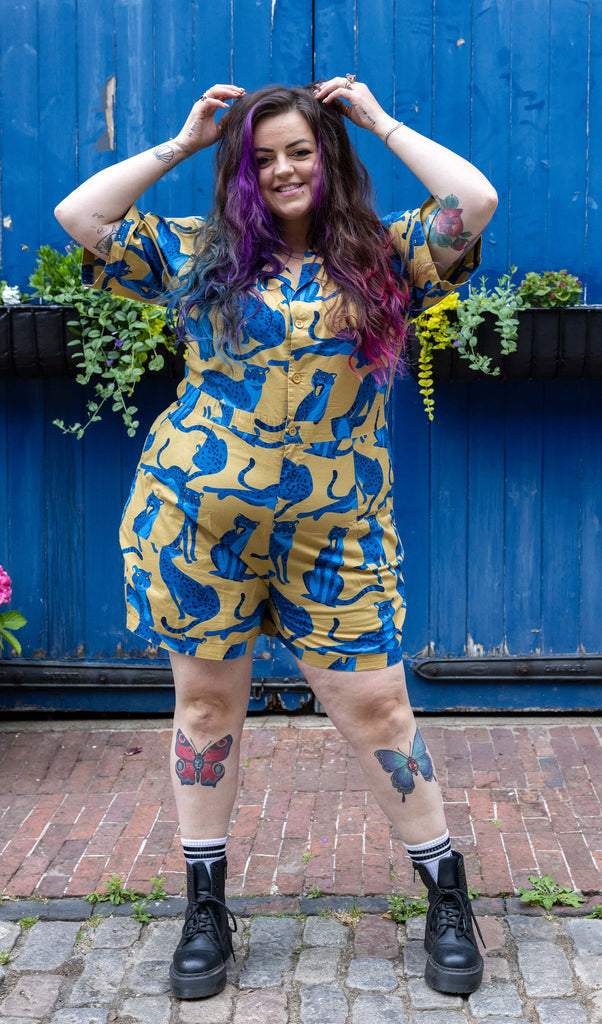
(460, 981)
(197, 986)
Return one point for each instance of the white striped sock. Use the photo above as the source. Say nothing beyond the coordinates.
(207, 850)
(429, 854)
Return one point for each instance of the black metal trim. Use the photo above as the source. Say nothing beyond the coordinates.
(534, 668)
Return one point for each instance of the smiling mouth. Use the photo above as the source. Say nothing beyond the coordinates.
(288, 188)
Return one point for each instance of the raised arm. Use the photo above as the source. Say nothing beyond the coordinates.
(93, 212)
(467, 200)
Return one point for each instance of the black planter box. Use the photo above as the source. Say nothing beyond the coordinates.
(34, 342)
(553, 344)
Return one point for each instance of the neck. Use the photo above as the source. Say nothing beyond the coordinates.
(294, 237)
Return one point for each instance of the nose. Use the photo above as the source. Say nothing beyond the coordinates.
(284, 165)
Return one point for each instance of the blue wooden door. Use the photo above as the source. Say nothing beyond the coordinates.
(499, 501)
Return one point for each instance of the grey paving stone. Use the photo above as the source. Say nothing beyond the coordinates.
(441, 1017)
(545, 969)
(325, 931)
(371, 974)
(414, 959)
(47, 946)
(491, 999)
(264, 969)
(15, 1020)
(217, 1010)
(159, 940)
(415, 927)
(2, 975)
(589, 970)
(561, 1011)
(262, 1008)
(102, 976)
(9, 933)
(374, 1008)
(322, 1004)
(523, 927)
(281, 934)
(147, 1008)
(424, 998)
(81, 1015)
(54, 910)
(116, 933)
(34, 995)
(149, 977)
(595, 1010)
(317, 966)
(586, 934)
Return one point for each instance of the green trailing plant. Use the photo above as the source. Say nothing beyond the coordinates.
(550, 289)
(314, 892)
(139, 911)
(117, 339)
(116, 892)
(454, 322)
(546, 893)
(403, 907)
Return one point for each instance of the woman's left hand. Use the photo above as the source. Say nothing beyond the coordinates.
(360, 107)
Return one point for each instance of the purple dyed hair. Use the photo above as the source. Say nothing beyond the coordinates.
(237, 244)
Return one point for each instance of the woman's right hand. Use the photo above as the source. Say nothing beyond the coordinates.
(200, 129)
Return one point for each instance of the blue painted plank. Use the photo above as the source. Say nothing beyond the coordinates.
(413, 54)
(375, 62)
(529, 136)
(485, 547)
(175, 94)
(590, 631)
(568, 136)
(65, 515)
(93, 63)
(491, 105)
(410, 435)
(27, 482)
(20, 140)
(251, 36)
(135, 73)
(335, 38)
(212, 30)
(291, 52)
(449, 520)
(523, 517)
(561, 500)
(592, 272)
(452, 76)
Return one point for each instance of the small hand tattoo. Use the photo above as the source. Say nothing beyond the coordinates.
(367, 116)
(206, 767)
(103, 246)
(405, 767)
(445, 227)
(164, 153)
(192, 130)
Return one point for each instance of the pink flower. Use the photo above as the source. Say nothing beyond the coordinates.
(5, 587)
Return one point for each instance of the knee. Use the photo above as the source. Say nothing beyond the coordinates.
(381, 716)
(209, 712)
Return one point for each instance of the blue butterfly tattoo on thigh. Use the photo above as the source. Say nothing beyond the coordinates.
(405, 767)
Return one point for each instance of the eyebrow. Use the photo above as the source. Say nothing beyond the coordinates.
(266, 149)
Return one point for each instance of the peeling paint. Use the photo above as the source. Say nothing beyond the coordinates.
(472, 649)
(106, 141)
(7, 222)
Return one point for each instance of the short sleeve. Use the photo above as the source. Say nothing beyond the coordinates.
(426, 285)
(147, 253)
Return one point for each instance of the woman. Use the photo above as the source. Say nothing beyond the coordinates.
(263, 497)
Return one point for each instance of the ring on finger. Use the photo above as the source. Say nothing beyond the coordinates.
(203, 97)
(350, 81)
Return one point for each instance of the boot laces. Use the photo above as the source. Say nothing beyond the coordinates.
(203, 916)
(451, 909)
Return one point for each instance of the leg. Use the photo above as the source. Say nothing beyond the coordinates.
(371, 709)
(212, 698)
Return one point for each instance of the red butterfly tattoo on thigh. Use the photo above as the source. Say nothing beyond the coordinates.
(206, 767)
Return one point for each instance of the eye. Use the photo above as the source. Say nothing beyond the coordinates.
(262, 161)
(302, 153)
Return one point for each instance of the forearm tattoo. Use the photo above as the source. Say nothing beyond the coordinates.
(164, 153)
(206, 767)
(445, 228)
(404, 768)
(367, 116)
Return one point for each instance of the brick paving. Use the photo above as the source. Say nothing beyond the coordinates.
(522, 796)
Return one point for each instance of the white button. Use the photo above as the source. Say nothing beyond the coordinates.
(299, 323)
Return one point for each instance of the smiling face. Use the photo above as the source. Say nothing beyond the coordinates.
(286, 151)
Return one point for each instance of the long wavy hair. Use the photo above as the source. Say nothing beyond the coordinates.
(236, 246)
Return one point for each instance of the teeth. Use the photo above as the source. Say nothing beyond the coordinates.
(287, 188)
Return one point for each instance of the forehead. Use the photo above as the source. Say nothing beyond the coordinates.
(281, 129)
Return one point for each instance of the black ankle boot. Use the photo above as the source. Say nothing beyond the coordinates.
(454, 963)
(199, 962)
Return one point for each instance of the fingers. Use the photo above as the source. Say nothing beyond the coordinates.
(340, 87)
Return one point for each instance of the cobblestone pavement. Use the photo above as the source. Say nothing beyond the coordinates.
(328, 966)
